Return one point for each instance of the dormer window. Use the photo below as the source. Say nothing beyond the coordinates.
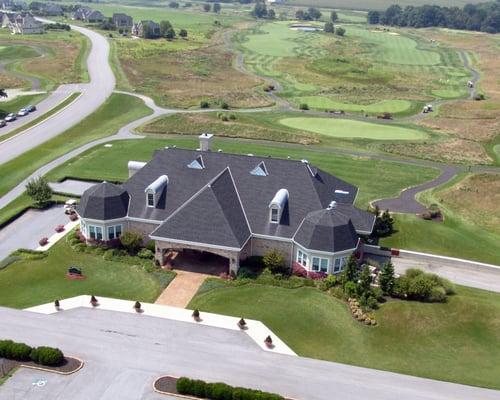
(197, 163)
(155, 190)
(151, 199)
(277, 205)
(260, 170)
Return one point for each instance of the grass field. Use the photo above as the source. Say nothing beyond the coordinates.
(456, 341)
(63, 56)
(31, 282)
(471, 226)
(368, 69)
(375, 178)
(118, 110)
(353, 129)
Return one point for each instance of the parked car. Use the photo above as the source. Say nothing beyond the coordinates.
(2, 123)
(69, 206)
(10, 117)
(22, 112)
(31, 108)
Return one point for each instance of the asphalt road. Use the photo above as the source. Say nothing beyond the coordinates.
(124, 353)
(102, 83)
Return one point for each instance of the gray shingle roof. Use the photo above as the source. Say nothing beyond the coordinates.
(306, 192)
(103, 201)
(213, 216)
(327, 230)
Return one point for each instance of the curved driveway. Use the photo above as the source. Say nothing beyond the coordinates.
(102, 83)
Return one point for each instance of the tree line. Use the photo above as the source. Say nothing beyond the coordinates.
(484, 17)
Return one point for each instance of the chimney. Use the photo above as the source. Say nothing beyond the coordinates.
(134, 166)
(205, 139)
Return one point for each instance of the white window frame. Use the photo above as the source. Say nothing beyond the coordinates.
(302, 258)
(114, 229)
(97, 231)
(150, 193)
(339, 264)
(320, 262)
(277, 209)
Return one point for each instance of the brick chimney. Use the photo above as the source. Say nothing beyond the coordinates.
(205, 141)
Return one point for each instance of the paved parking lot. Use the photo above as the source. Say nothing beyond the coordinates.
(28, 229)
(71, 186)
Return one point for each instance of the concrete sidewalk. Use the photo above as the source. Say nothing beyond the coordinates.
(182, 289)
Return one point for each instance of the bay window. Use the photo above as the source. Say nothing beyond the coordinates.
(320, 264)
(302, 258)
(114, 232)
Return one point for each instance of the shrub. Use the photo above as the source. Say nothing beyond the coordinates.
(221, 391)
(59, 228)
(47, 356)
(204, 104)
(146, 254)
(196, 314)
(437, 295)
(232, 117)
(131, 240)
(198, 388)
(224, 105)
(5, 346)
(18, 352)
(183, 385)
(350, 289)
(304, 106)
(372, 303)
(479, 97)
(73, 217)
(299, 270)
(275, 261)
(43, 241)
(137, 305)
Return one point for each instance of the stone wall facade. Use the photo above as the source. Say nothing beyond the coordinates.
(143, 228)
(260, 246)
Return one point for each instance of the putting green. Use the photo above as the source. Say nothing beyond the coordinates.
(353, 129)
(320, 102)
(448, 93)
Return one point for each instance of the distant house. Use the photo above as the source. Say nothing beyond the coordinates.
(52, 10)
(22, 23)
(87, 14)
(6, 4)
(146, 29)
(123, 21)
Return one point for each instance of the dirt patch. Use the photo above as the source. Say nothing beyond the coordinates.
(476, 198)
(166, 384)
(11, 82)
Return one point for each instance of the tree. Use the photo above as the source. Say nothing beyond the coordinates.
(274, 261)
(3, 93)
(271, 14)
(329, 28)
(170, 34)
(351, 270)
(206, 7)
(183, 33)
(365, 281)
(373, 17)
(173, 4)
(259, 10)
(340, 31)
(164, 27)
(300, 15)
(131, 240)
(39, 190)
(386, 278)
(216, 8)
(314, 13)
(384, 224)
(333, 16)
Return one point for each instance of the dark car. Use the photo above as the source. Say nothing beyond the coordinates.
(31, 108)
(11, 117)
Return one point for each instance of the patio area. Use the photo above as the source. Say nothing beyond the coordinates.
(199, 262)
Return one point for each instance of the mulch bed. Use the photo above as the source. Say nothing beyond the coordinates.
(68, 366)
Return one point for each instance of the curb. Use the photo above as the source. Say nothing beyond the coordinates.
(54, 371)
(45, 119)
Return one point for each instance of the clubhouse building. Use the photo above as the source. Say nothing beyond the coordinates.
(233, 206)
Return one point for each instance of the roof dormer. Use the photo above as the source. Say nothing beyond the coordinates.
(260, 170)
(197, 163)
(277, 205)
(155, 190)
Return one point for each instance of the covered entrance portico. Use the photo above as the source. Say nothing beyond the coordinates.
(197, 258)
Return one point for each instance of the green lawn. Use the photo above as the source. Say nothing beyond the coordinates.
(375, 178)
(117, 111)
(455, 237)
(325, 103)
(456, 341)
(354, 129)
(26, 283)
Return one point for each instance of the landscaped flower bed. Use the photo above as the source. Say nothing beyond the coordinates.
(47, 358)
(212, 391)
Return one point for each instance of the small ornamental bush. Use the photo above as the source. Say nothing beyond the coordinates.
(204, 104)
(137, 305)
(47, 356)
(275, 261)
(196, 314)
(19, 352)
(5, 348)
(183, 385)
(59, 228)
(43, 241)
(304, 106)
(57, 304)
(146, 254)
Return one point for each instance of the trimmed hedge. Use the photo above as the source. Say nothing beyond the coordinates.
(22, 352)
(221, 391)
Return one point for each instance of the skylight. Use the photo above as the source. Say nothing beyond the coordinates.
(260, 170)
(197, 163)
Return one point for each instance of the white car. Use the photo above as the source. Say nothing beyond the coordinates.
(22, 112)
(2, 123)
(10, 117)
